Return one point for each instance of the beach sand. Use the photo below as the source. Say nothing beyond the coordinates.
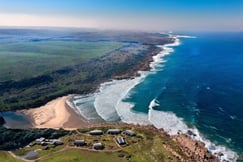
(55, 114)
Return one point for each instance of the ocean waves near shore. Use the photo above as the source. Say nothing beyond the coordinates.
(108, 101)
(111, 104)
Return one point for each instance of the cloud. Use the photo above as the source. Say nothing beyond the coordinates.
(134, 22)
(37, 20)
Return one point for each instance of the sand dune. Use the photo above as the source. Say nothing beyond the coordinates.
(55, 114)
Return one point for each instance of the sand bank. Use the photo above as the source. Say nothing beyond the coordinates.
(55, 114)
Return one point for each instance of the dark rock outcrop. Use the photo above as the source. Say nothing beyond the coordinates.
(2, 121)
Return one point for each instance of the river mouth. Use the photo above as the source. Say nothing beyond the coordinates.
(16, 120)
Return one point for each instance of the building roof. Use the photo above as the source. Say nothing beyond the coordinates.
(120, 140)
(81, 141)
(57, 142)
(96, 132)
(114, 131)
(40, 139)
(129, 132)
(97, 144)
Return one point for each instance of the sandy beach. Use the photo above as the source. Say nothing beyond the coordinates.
(55, 114)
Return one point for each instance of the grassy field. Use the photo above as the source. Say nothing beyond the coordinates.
(25, 150)
(20, 60)
(6, 157)
(76, 155)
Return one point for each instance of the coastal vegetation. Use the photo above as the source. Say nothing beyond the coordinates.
(36, 69)
(11, 139)
(2, 121)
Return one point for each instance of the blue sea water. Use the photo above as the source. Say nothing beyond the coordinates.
(202, 83)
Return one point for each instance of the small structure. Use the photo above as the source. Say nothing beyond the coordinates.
(98, 146)
(120, 140)
(79, 142)
(129, 133)
(32, 144)
(46, 148)
(44, 143)
(96, 132)
(113, 131)
(39, 140)
(57, 142)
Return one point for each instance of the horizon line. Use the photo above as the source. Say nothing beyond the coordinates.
(115, 29)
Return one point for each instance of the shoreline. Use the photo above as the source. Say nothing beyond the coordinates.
(66, 117)
(55, 114)
(75, 120)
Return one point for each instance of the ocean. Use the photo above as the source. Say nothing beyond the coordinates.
(194, 84)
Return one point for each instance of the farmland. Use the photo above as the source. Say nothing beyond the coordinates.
(20, 60)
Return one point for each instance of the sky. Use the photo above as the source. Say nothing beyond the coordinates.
(148, 15)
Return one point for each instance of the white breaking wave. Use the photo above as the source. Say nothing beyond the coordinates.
(106, 99)
(85, 106)
(124, 109)
(166, 120)
(173, 124)
(109, 105)
(185, 36)
(159, 59)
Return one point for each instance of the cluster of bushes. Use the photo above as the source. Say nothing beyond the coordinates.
(12, 139)
(2, 121)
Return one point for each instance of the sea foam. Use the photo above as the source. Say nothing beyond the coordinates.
(173, 124)
(166, 120)
(109, 101)
(84, 105)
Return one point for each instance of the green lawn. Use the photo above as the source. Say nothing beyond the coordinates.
(47, 56)
(39, 149)
(76, 155)
(6, 157)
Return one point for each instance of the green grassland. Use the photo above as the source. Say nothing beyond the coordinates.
(76, 155)
(6, 157)
(19, 60)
